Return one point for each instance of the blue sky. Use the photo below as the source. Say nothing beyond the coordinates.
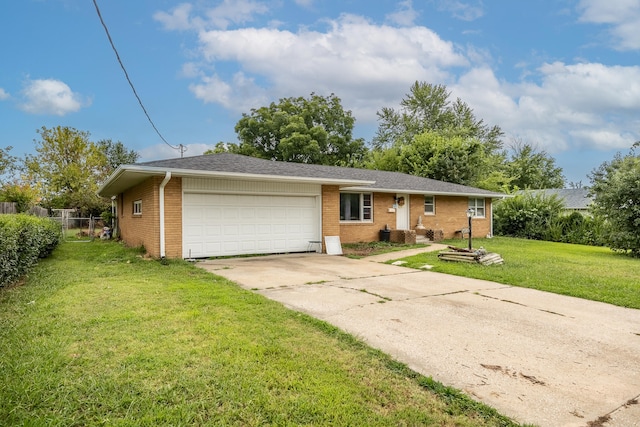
(562, 75)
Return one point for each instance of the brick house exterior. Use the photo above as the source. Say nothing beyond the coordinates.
(213, 205)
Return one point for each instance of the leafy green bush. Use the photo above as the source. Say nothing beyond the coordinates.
(540, 217)
(616, 192)
(528, 215)
(23, 240)
(576, 228)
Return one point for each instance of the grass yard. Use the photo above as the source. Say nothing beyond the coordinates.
(360, 250)
(98, 335)
(588, 272)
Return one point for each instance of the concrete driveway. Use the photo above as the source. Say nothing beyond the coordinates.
(536, 357)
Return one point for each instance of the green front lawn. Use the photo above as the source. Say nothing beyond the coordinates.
(98, 335)
(588, 272)
(363, 249)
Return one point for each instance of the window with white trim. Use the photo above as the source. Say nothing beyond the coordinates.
(137, 207)
(477, 204)
(429, 205)
(356, 207)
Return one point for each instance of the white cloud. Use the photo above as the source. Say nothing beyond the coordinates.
(4, 95)
(353, 58)
(466, 11)
(178, 19)
(235, 12)
(580, 105)
(369, 66)
(228, 12)
(304, 3)
(50, 96)
(405, 16)
(241, 94)
(623, 16)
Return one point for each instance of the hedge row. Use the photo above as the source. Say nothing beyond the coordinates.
(23, 240)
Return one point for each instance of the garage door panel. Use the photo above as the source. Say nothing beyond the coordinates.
(263, 245)
(230, 213)
(277, 229)
(293, 229)
(231, 230)
(213, 247)
(263, 230)
(230, 247)
(248, 230)
(278, 214)
(279, 244)
(227, 224)
(248, 214)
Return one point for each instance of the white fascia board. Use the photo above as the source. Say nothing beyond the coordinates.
(262, 177)
(133, 170)
(426, 193)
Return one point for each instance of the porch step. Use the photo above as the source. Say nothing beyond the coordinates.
(422, 239)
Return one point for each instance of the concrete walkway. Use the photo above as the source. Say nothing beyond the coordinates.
(434, 247)
(536, 357)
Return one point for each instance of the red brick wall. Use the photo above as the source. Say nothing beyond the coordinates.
(352, 232)
(144, 230)
(173, 218)
(450, 215)
(330, 212)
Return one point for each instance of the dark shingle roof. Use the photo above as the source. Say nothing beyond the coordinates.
(383, 180)
(573, 198)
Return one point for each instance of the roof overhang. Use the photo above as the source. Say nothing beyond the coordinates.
(426, 192)
(128, 176)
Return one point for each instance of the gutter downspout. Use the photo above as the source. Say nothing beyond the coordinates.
(163, 184)
(491, 217)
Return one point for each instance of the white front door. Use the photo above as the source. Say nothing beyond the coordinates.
(402, 212)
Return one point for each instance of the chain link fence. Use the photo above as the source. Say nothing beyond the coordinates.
(76, 228)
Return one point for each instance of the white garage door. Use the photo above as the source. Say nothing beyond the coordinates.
(228, 224)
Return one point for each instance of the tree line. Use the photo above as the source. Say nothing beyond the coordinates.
(65, 171)
(429, 135)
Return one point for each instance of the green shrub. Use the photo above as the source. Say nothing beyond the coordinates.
(576, 228)
(23, 240)
(540, 217)
(528, 215)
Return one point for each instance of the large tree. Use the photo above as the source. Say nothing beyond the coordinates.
(303, 130)
(615, 187)
(530, 168)
(68, 169)
(447, 158)
(432, 136)
(7, 163)
(116, 154)
(13, 189)
(428, 107)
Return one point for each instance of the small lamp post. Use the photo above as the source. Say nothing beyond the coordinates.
(470, 213)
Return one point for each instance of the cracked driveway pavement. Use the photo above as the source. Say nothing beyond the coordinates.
(536, 357)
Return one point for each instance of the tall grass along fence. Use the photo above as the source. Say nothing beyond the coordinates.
(23, 240)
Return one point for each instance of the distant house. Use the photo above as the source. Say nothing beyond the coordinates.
(574, 199)
(227, 204)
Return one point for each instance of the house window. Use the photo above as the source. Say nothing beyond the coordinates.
(477, 204)
(137, 207)
(356, 207)
(429, 205)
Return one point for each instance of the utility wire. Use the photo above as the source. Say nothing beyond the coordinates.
(180, 147)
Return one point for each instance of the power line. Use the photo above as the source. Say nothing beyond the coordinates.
(180, 147)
